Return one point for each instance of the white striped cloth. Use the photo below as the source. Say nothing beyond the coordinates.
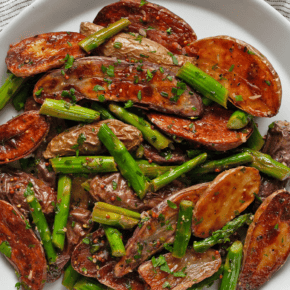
(11, 8)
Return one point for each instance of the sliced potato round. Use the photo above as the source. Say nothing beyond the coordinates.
(253, 84)
(228, 195)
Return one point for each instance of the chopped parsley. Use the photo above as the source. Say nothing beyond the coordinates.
(117, 45)
(174, 59)
(69, 60)
(171, 204)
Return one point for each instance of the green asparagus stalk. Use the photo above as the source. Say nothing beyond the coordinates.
(62, 212)
(115, 240)
(203, 83)
(70, 277)
(183, 229)
(140, 152)
(105, 114)
(222, 164)
(20, 98)
(88, 284)
(86, 185)
(256, 141)
(96, 39)
(64, 110)
(222, 236)
(10, 87)
(232, 267)
(83, 164)
(127, 165)
(116, 209)
(152, 136)
(41, 223)
(266, 164)
(113, 219)
(169, 176)
(238, 120)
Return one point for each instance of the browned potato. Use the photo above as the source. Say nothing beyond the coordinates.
(253, 84)
(228, 195)
(210, 131)
(66, 143)
(198, 266)
(43, 52)
(267, 244)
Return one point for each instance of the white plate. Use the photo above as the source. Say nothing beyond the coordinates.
(253, 21)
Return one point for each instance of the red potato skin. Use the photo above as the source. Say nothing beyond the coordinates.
(28, 261)
(252, 74)
(267, 244)
(43, 52)
(150, 15)
(21, 136)
(87, 72)
(210, 131)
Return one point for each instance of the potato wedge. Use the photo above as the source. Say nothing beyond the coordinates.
(253, 84)
(229, 194)
(210, 131)
(155, 21)
(196, 267)
(101, 78)
(43, 52)
(22, 135)
(267, 244)
(66, 143)
(158, 228)
(22, 248)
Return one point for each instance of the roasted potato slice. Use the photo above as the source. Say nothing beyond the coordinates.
(267, 244)
(22, 135)
(155, 21)
(210, 131)
(22, 248)
(66, 143)
(196, 267)
(43, 52)
(253, 84)
(101, 78)
(158, 228)
(229, 194)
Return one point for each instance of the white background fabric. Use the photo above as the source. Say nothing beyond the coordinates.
(11, 8)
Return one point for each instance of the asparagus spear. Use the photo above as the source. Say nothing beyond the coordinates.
(9, 88)
(203, 83)
(152, 136)
(238, 120)
(113, 219)
(86, 185)
(127, 165)
(115, 240)
(116, 209)
(96, 39)
(105, 114)
(232, 267)
(183, 229)
(256, 141)
(83, 164)
(20, 98)
(169, 176)
(88, 284)
(70, 277)
(140, 152)
(64, 110)
(221, 236)
(41, 223)
(266, 164)
(62, 212)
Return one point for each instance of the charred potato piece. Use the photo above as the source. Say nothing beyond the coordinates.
(267, 244)
(253, 84)
(196, 267)
(66, 143)
(210, 131)
(156, 22)
(230, 193)
(101, 78)
(43, 52)
(23, 250)
(21, 136)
